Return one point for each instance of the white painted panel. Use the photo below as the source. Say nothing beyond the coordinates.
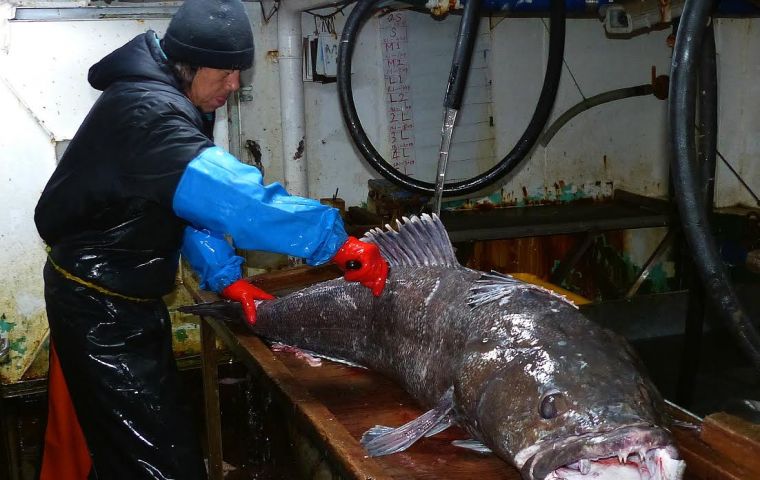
(623, 142)
(738, 46)
(432, 43)
(47, 65)
(260, 117)
(333, 159)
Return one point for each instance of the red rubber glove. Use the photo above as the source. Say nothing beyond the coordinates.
(362, 262)
(247, 294)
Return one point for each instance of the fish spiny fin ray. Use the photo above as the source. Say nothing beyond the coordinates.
(495, 286)
(473, 445)
(417, 242)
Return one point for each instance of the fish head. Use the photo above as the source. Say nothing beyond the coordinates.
(565, 405)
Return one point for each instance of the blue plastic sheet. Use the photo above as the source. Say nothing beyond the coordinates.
(212, 257)
(220, 194)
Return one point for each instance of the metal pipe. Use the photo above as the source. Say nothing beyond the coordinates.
(290, 61)
(596, 100)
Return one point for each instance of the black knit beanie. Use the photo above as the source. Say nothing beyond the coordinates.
(210, 33)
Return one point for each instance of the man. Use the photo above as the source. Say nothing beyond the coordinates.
(140, 179)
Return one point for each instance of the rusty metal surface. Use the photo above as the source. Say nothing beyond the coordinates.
(551, 220)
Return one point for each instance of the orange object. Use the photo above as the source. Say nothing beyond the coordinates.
(361, 262)
(247, 294)
(65, 455)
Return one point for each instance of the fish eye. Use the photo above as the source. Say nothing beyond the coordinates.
(552, 404)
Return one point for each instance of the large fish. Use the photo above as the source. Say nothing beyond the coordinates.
(517, 366)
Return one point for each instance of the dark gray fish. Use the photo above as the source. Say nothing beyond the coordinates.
(517, 366)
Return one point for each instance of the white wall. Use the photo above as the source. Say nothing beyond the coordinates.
(629, 134)
(620, 144)
(333, 160)
(738, 45)
(617, 145)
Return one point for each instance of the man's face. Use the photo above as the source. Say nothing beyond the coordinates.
(211, 87)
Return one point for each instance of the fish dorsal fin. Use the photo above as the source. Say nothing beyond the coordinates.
(495, 286)
(419, 242)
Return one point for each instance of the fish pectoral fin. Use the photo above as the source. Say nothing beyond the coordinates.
(445, 423)
(375, 432)
(381, 440)
(472, 444)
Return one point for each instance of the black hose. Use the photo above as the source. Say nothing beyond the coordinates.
(361, 12)
(707, 131)
(460, 64)
(687, 178)
(707, 128)
(596, 100)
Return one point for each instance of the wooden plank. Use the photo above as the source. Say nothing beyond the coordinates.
(702, 462)
(210, 375)
(735, 439)
(360, 399)
(286, 280)
(345, 452)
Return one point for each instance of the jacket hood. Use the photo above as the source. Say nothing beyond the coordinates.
(140, 58)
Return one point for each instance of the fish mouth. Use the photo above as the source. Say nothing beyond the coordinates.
(640, 452)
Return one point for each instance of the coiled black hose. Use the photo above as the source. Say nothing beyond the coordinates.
(688, 178)
(363, 11)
